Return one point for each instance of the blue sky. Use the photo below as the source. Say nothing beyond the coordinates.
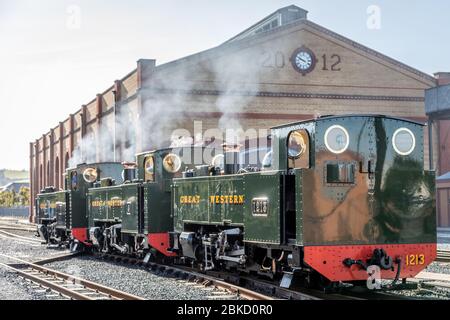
(55, 55)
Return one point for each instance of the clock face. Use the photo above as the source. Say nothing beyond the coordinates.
(303, 60)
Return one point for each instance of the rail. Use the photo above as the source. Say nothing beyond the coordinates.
(65, 284)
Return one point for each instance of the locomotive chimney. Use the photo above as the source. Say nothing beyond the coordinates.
(231, 157)
(129, 171)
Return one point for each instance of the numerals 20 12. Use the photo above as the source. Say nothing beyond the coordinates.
(328, 62)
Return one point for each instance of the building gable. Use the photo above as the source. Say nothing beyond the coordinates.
(266, 60)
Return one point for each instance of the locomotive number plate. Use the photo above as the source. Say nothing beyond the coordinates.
(260, 207)
(415, 259)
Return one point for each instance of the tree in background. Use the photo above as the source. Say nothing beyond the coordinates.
(10, 199)
(24, 196)
(7, 199)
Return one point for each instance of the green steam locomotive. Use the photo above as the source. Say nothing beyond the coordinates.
(333, 197)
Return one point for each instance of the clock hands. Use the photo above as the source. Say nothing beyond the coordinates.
(303, 60)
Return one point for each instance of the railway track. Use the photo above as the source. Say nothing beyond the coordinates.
(15, 224)
(66, 285)
(300, 293)
(443, 256)
(274, 290)
(191, 277)
(221, 285)
(252, 288)
(60, 257)
(13, 228)
(248, 288)
(15, 237)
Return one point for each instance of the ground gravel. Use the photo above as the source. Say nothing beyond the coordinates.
(22, 233)
(27, 251)
(424, 293)
(439, 267)
(132, 279)
(135, 280)
(13, 287)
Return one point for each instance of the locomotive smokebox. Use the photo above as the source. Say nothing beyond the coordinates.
(129, 171)
(231, 158)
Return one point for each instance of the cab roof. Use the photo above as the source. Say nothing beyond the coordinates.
(328, 117)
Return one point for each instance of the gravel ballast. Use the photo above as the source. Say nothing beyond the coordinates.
(131, 279)
(27, 251)
(13, 287)
(135, 280)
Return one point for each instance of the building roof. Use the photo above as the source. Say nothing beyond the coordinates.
(290, 18)
(281, 17)
(16, 185)
(297, 21)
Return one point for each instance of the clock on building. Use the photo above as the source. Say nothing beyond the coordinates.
(303, 60)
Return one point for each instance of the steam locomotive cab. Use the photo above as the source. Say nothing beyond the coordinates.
(364, 205)
(367, 202)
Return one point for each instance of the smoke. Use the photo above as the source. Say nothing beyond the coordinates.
(96, 145)
(238, 79)
(167, 105)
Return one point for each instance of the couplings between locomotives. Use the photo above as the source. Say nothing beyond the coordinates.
(107, 239)
(209, 249)
(379, 258)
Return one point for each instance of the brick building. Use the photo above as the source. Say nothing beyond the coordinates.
(437, 106)
(282, 69)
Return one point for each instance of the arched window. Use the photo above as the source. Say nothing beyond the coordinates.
(57, 174)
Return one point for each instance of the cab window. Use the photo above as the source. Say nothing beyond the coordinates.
(149, 168)
(74, 180)
(298, 149)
